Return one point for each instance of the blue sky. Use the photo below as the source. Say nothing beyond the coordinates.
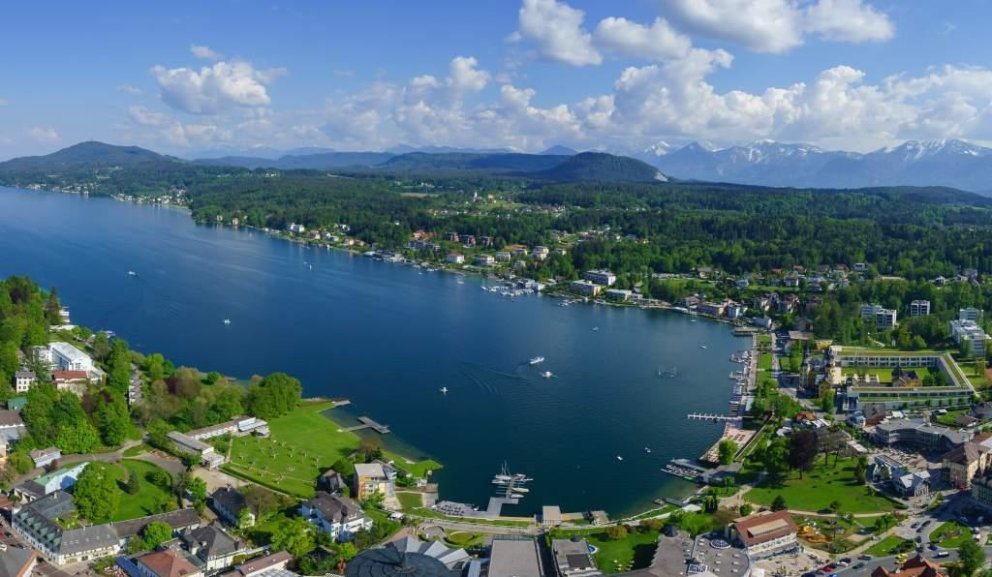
(185, 77)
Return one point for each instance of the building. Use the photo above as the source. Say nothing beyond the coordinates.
(971, 314)
(585, 287)
(515, 557)
(259, 565)
(919, 308)
(540, 252)
(213, 546)
(208, 457)
(920, 435)
(180, 520)
(882, 317)
(331, 481)
(71, 380)
(971, 336)
(39, 523)
(620, 295)
(370, 479)
(600, 277)
(24, 380)
(61, 480)
(232, 507)
(11, 425)
(572, 558)
(981, 490)
(16, 562)
(167, 563)
(485, 260)
(766, 533)
(45, 457)
(339, 517)
(65, 357)
(915, 567)
(711, 309)
(455, 258)
(550, 516)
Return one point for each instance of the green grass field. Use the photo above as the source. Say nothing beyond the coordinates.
(977, 377)
(410, 500)
(822, 486)
(303, 444)
(884, 374)
(149, 500)
(891, 545)
(951, 535)
(633, 552)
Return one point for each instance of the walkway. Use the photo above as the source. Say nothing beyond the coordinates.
(112, 457)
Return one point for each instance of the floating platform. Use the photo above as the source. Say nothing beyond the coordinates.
(368, 423)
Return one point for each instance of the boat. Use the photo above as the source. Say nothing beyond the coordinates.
(131, 273)
(595, 328)
(536, 361)
(703, 347)
(521, 490)
(547, 374)
(227, 321)
(444, 390)
(619, 458)
(647, 450)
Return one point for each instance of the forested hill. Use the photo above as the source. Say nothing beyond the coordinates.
(88, 155)
(600, 167)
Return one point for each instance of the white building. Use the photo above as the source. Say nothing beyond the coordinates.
(919, 308)
(969, 332)
(65, 357)
(23, 380)
(600, 277)
(970, 314)
(339, 517)
(883, 318)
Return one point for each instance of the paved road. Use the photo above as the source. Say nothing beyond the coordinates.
(890, 563)
(113, 457)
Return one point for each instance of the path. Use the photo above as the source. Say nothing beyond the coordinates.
(112, 457)
(476, 527)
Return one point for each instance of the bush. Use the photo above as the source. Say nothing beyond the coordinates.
(746, 509)
(616, 532)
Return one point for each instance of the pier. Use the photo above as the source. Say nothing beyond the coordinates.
(712, 418)
(368, 423)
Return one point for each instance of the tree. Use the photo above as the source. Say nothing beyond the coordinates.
(727, 450)
(616, 532)
(834, 506)
(197, 489)
(745, 509)
(294, 536)
(156, 533)
(95, 495)
(971, 556)
(113, 419)
(861, 468)
(274, 396)
(778, 503)
(133, 484)
(802, 450)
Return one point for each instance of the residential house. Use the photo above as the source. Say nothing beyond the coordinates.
(11, 425)
(485, 260)
(881, 317)
(45, 457)
(503, 256)
(73, 381)
(766, 533)
(915, 567)
(370, 478)
(919, 308)
(572, 558)
(339, 517)
(60, 480)
(331, 481)
(16, 561)
(213, 546)
(970, 336)
(232, 507)
(540, 252)
(455, 258)
(24, 380)
(166, 563)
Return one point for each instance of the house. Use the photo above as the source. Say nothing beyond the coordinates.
(232, 507)
(65, 357)
(24, 380)
(540, 252)
(455, 258)
(339, 517)
(39, 523)
(735, 310)
(766, 533)
(503, 256)
(485, 260)
(208, 457)
(881, 317)
(73, 381)
(16, 561)
(585, 287)
(213, 546)
(45, 457)
(970, 336)
(295, 228)
(915, 567)
(515, 557)
(331, 481)
(550, 516)
(600, 277)
(167, 563)
(370, 479)
(11, 425)
(919, 308)
(572, 558)
(253, 567)
(60, 480)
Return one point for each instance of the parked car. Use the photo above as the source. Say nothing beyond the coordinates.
(865, 557)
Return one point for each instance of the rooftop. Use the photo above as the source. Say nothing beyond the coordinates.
(762, 528)
(515, 557)
(167, 564)
(369, 470)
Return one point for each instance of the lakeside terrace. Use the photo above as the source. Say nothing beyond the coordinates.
(959, 391)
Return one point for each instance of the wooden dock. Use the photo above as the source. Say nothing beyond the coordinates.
(369, 423)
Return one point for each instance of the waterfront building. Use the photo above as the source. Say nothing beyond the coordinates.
(712, 309)
(213, 546)
(915, 567)
(735, 310)
(572, 558)
(339, 517)
(881, 317)
(621, 295)
(66, 357)
(24, 380)
(515, 556)
(232, 507)
(455, 258)
(585, 287)
(971, 336)
(919, 308)
(370, 478)
(600, 277)
(766, 533)
(485, 260)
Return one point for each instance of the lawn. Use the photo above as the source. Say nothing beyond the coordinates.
(891, 545)
(464, 540)
(149, 500)
(949, 419)
(951, 535)
(410, 500)
(884, 373)
(303, 444)
(818, 488)
(633, 552)
(978, 378)
(137, 450)
(764, 361)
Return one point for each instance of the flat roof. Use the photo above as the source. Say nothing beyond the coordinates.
(514, 557)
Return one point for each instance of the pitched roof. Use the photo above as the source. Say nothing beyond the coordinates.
(762, 528)
(230, 499)
(278, 559)
(915, 567)
(88, 539)
(167, 564)
(10, 419)
(963, 455)
(178, 519)
(15, 561)
(334, 507)
(212, 541)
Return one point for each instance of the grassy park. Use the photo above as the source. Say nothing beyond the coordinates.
(817, 489)
(884, 374)
(620, 555)
(150, 498)
(303, 444)
(951, 535)
(891, 545)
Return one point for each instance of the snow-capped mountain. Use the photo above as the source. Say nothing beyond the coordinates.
(946, 162)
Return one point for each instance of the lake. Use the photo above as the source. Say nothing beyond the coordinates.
(388, 337)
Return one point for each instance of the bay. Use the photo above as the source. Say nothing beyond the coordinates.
(388, 337)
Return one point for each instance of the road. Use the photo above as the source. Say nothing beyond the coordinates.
(112, 457)
(890, 563)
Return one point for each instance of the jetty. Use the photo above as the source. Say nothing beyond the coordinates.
(369, 423)
(713, 418)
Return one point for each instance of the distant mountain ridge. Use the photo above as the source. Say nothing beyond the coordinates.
(953, 163)
(89, 154)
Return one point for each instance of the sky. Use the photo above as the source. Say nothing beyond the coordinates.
(189, 77)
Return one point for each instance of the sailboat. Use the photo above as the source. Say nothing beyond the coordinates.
(444, 390)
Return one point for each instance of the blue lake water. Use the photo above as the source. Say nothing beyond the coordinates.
(389, 337)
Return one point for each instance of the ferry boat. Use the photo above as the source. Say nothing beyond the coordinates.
(536, 361)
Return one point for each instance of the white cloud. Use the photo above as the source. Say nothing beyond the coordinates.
(204, 52)
(188, 134)
(848, 21)
(464, 76)
(658, 42)
(147, 117)
(129, 89)
(215, 88)
(779, 25)
(557, 30)
(43, 134)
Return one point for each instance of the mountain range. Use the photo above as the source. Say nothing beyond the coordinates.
(953, 163)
